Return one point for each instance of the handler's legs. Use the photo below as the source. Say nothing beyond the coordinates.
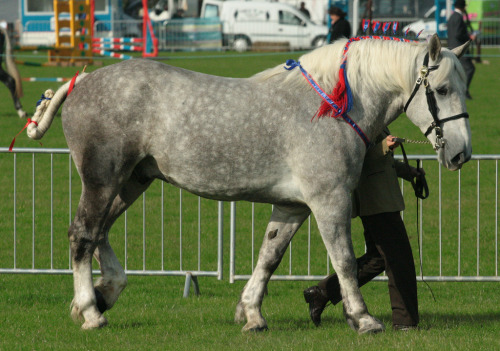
(469, 69)
(389, 234)
(370, 265)
(388, 248)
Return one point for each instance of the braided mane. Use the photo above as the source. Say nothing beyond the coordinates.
(343, 66)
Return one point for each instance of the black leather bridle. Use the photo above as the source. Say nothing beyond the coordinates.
(431, 103)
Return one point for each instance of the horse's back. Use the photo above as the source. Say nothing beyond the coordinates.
(198, 128)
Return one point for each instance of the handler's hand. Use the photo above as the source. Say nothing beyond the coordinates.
(391, 144)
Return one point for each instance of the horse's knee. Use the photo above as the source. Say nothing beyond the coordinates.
(82, 245)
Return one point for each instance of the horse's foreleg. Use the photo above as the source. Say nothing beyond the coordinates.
(337, 239)
(283, 225)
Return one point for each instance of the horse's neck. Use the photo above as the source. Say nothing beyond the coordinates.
(382, 86)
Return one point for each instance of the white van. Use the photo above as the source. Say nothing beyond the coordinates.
(426, 26)
(247, 22)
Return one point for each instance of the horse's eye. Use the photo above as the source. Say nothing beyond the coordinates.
(442, 91)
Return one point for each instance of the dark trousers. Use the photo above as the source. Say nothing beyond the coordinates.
(469, 69)
(388, 248)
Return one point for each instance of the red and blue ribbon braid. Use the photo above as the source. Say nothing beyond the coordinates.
(386, 26)
(342, 95)
(340, 102)
(395, 27)
(291, 64)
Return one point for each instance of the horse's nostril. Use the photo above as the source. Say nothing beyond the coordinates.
(459, 159)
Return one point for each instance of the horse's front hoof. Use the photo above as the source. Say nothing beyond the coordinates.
(372, 326)
(254, 328)
(75, 313)
(100, 302)
(95, 324)
(239, 315)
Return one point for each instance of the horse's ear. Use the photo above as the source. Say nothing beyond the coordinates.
(459, 51)
(434, 47)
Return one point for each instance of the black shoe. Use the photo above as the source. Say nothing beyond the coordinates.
(317, 300)
(405, 328)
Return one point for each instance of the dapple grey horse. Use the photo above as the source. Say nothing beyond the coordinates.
(244, 139)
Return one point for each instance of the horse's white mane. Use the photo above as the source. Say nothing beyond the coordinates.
(374, 62)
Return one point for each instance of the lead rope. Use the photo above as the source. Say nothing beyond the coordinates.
(421, 193)
(409, 141)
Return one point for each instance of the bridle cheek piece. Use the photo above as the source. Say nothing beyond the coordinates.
(432, 104)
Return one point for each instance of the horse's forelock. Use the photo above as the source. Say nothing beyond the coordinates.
(447, 66)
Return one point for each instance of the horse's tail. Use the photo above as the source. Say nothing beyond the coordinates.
(47, 108)
(10, 64)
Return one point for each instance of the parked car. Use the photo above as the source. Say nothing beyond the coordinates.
(427, 25)
(245, 23)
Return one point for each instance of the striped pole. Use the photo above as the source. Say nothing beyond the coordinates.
(45, 79)
(111, 54)
(118, 40)
(103, 46)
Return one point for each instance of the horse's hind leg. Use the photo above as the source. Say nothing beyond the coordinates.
(113, 279)
(84, 235)
(284, 223)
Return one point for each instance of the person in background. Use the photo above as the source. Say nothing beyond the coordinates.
(458, 35)
(378, 201)
(179, 14)
(303, 9)
(340, 27)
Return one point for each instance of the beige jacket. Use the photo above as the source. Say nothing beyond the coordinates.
(378, 188)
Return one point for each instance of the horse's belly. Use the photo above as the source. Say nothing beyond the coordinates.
(218, 179)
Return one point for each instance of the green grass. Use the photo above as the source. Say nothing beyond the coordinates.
(151, 314)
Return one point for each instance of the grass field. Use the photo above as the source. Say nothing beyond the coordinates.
(151, 313)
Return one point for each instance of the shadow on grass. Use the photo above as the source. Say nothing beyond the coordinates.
(442, 320)
(428, 321)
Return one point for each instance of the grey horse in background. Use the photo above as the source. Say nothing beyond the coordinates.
(11, 78)
(244, 139)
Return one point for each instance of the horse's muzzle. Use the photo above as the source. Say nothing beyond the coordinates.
(458, 161)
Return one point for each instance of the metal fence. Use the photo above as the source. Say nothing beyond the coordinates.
(447, 246)
(457, 234)
(38, 198)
